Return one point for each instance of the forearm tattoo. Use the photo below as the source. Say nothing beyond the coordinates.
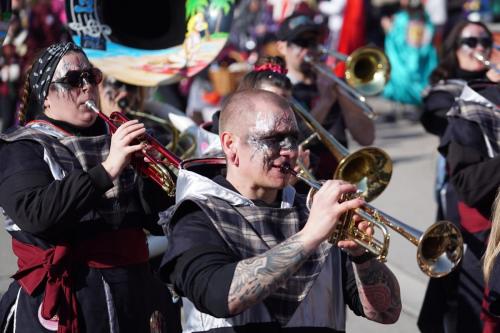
(257, 277)
(379, 292)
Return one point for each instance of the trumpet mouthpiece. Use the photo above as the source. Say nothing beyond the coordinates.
(285, 168)
(90, 104)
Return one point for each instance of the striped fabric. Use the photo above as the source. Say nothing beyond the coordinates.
(474, 107)
(453, 87)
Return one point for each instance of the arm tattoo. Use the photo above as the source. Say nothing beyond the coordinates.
(257, 277)
(378, 290)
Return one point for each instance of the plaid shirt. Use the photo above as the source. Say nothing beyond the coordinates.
(452, 86)
(65, 152)
(473, 107)
(252, 230)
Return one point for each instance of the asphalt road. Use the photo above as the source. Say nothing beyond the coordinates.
(409, 197)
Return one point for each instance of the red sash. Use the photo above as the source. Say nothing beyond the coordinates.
(471, 220)
(52, 267)
(491, 324)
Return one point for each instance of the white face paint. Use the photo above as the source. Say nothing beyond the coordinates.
(264, 122)
(272, 133)
(266, 142)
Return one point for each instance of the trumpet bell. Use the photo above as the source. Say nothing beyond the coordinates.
(440, 249)
(369, 168)
(367, 70)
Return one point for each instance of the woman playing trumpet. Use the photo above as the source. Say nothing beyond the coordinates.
(457, 67)
(76, 211)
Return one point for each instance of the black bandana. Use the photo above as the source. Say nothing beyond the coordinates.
(43, 69)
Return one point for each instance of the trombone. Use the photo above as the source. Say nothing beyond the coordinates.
(370, 168)
(439, 248)
(367, 72)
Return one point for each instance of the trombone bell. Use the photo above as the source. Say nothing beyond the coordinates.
(369, 168)
(367, 70)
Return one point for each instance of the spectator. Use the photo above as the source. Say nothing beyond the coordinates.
(408, 45)
(76, 211)
(9, 85)
(456, 68)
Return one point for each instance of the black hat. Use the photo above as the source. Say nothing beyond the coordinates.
(295, 25)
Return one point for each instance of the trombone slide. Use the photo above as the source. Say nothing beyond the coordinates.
(349, 92)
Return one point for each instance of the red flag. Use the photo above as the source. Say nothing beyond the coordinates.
(352, 34)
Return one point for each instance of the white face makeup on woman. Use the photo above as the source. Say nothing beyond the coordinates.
(75, 82)
(473, 38)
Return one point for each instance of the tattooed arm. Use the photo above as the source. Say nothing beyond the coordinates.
(378, 290)
(257, 277)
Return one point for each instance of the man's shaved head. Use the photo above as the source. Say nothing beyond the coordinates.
(241, 108)
(259, 134)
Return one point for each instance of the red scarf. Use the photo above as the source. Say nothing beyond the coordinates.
(53, 268)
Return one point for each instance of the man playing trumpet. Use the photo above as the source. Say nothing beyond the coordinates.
(246, 253)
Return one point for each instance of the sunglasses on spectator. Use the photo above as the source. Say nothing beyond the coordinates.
(75, 79)
(305, 43)
(120, 86)
(472, 42)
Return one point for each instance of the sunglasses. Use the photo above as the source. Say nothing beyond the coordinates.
(120, 86)
(472, 42)
(305, 43)
(75, 79)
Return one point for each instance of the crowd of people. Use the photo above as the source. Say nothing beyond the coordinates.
(239, 247)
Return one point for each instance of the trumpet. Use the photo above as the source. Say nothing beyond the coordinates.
(439, 248)
(159, 157)
(485, 61)
(370, 168)
(182, 144)
(367, 71)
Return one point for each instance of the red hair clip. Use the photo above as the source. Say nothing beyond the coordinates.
(275, 68)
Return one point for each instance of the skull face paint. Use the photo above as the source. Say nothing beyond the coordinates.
(273, 132)
(68, 105)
